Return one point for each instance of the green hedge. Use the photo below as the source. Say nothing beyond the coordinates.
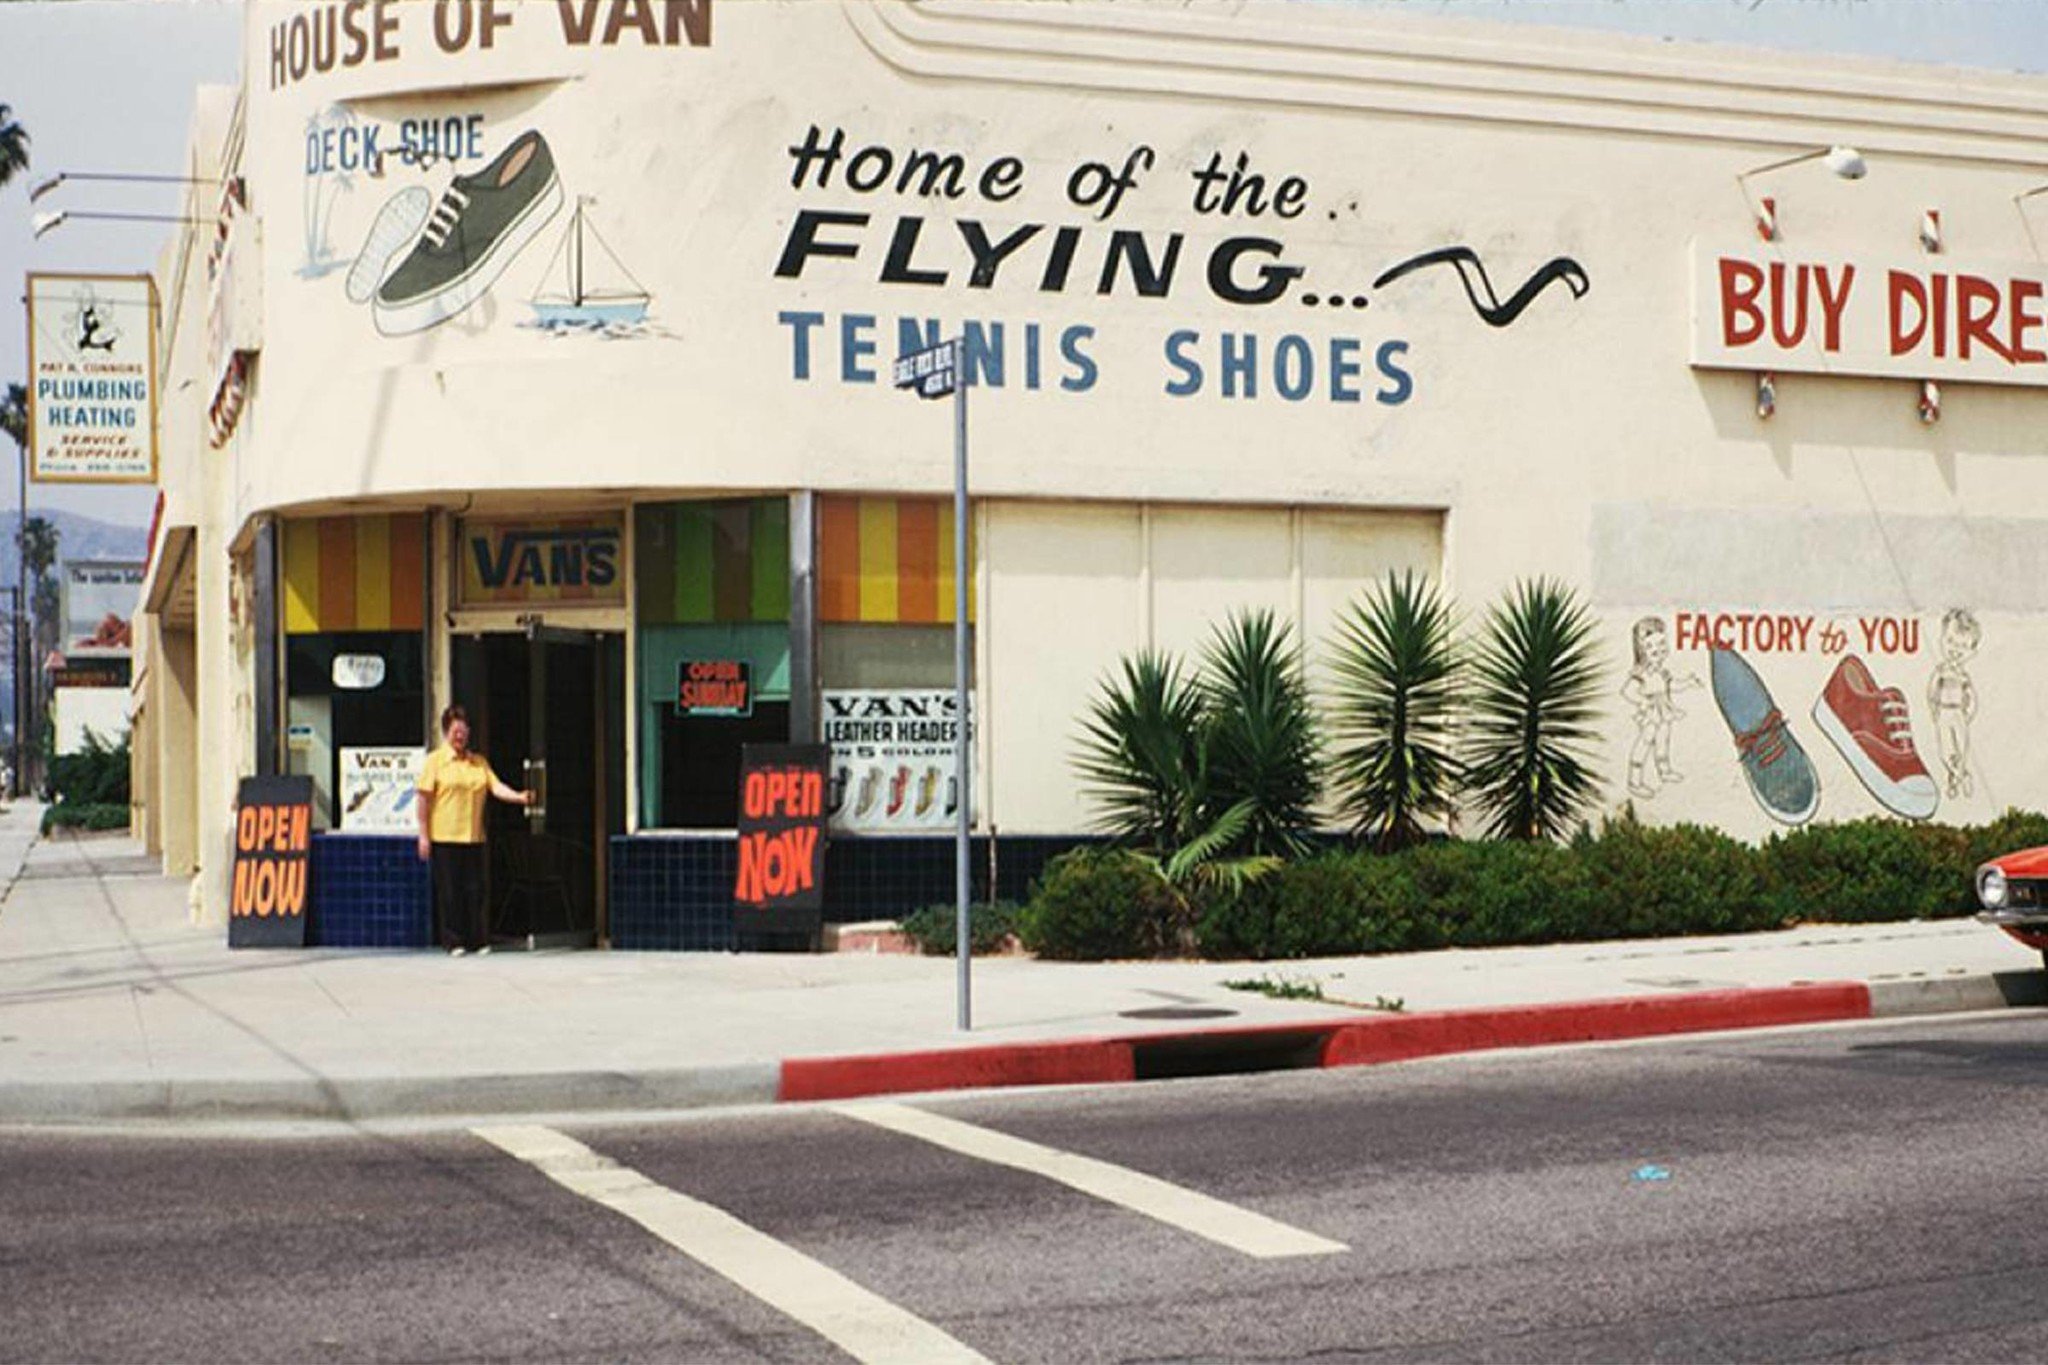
(89, 815)
(936, 928)
(1628, 880)
(1095, 903)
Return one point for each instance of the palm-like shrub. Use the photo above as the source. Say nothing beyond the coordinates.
(1210, 776)
(1263, 755)
(1141, 753)
(1533, 711)
(1396, 671)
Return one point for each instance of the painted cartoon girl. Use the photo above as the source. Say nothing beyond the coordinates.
(1648, 689)
(1953, 697)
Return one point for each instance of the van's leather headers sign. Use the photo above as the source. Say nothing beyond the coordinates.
(781, 830)
(273, 845)
(570, 559)
(1909, 317)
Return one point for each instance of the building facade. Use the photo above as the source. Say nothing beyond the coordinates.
(541, 361)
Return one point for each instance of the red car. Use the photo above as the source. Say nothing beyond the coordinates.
(2014, 893)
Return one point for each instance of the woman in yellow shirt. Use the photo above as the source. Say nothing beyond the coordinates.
(454, 783)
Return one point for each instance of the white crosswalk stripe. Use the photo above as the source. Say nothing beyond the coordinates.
(1254, 1234)
(864, 1325)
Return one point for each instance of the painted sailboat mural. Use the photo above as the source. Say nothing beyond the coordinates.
(587, 289)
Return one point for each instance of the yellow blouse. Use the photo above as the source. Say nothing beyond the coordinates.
(459, 787)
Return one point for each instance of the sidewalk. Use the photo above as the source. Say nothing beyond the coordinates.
(114, 1007)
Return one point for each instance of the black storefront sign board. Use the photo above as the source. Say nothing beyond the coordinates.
(267, 897)
(779, 887)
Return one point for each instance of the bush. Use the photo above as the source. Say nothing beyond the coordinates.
(96, 775)
(1871, 870)
(1093, 903)
(2010, 832)
(935, 928)
(1678, 879)
(1627, 880)
(85, 815)
(1333, 904)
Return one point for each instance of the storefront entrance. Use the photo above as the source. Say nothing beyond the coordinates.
(547, 708)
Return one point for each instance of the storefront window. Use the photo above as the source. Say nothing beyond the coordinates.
(711, 587)
(355, 674)
(886, 657)
(346, 693)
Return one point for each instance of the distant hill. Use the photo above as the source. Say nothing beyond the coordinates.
(78, 537)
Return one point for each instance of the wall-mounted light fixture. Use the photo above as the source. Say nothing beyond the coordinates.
(1844, 163)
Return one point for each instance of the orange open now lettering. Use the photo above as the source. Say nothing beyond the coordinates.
(776, 865)
(267, 887)
(278, 829)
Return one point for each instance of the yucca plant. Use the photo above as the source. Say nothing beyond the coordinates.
(1533, 712)
(1140, 754)
(1263, 753)
(1395, 665)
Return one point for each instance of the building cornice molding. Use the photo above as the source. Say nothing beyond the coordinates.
(1294, 54)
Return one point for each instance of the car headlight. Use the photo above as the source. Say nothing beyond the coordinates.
(1992, 891)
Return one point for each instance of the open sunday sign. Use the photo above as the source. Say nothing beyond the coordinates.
(715, 687)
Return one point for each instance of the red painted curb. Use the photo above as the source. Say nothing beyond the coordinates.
(1389, 1038)
(1084, 1062)
(1400, 1037)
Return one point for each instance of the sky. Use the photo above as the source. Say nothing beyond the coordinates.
(107, 86)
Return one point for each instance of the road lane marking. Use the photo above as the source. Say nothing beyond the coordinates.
(1254, 1234)
(862, 1324)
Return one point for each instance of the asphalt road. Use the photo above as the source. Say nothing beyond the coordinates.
(1876, 1192)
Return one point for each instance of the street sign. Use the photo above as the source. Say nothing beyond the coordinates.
(929, 371)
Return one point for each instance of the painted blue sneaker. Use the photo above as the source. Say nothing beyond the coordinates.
(1781, 776)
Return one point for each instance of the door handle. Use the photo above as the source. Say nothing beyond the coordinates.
(537, 784)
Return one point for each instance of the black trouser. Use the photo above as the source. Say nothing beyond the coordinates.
(461, 901)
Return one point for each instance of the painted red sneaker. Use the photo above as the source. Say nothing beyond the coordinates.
(1869, 726)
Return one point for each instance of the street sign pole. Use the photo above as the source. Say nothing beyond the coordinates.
(963, 750)
(935, 372)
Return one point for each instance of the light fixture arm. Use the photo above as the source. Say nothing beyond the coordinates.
(60, 177)
(50, 222)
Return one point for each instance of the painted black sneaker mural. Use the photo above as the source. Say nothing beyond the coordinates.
(482, 222)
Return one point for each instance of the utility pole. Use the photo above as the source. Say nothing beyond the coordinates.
(22, 674)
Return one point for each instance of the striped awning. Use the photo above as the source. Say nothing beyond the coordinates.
(355, 573)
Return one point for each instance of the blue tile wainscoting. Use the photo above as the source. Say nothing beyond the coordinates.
(674, 891)
(668, 892)
(369, 891)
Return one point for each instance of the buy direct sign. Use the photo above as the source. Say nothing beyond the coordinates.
(1756, 307)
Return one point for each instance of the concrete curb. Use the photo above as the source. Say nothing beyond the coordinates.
(1396, 1037)
(1073, 1061)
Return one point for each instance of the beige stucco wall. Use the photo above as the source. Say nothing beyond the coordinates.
(1576, 440)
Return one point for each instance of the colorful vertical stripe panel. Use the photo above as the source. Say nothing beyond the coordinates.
(887, 560)
(697, 563)
(355, 573)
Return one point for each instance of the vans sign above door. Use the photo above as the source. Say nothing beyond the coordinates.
(563, 560)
